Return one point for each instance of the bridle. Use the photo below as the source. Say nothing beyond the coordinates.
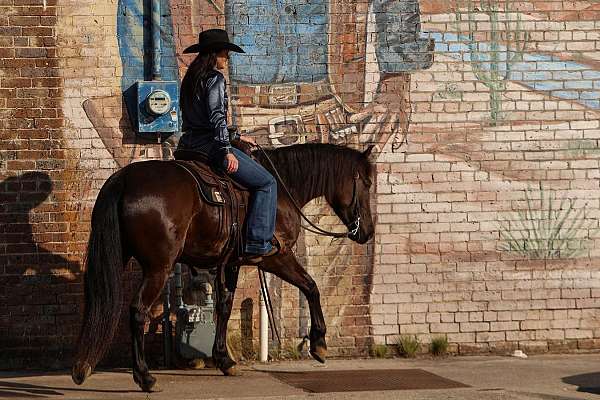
(353, 227)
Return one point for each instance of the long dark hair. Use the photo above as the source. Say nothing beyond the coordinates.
(198, 70)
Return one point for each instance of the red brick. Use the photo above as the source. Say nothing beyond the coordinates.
(10, 31)
(50, 63)
(48, 123)
(36, 93)
(28, 2)
(46, 82)
(7, 53)
(17, 63)
(32, 52)
(21, 41)
(24, 21)
(37, 31)
(48, 21)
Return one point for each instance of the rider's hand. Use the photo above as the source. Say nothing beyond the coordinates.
(248, 139)
(232, 163)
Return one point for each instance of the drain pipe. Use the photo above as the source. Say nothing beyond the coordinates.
(156, 45)
(264, 324)
(156, 55)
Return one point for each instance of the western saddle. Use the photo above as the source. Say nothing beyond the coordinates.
(218, 189)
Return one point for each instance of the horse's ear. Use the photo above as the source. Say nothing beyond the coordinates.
(368, 151)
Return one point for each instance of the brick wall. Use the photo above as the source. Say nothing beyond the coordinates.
(496, 130)
(448, 205)
(39, 259)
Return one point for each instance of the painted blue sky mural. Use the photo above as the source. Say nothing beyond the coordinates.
(566, 80)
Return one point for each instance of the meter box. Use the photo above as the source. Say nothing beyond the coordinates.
(158, 106)
(195, 332)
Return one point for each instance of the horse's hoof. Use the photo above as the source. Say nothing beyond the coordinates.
(150, 387)
(209, 362)
(155, 388)
(232, 371)
(81, 371)
(197, 363)
(147, 384)
(319, 354)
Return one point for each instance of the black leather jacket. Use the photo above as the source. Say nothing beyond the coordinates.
(205, 118)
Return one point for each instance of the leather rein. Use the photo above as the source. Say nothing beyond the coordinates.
(353, 227)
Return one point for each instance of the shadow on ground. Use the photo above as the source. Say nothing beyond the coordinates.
(587, 383)
(26, 390)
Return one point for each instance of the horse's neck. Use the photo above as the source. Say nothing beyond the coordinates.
(300, 189)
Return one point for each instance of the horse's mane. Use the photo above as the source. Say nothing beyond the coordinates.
(318, 166)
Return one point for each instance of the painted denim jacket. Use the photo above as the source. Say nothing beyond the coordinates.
(314, 40)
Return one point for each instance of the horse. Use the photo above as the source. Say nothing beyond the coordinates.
(152, 211)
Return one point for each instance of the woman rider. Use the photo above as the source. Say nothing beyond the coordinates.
(204, 104)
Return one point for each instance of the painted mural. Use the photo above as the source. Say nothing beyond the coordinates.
(486, 117)
(313, 71)
(290, 66)
(487, 152)
(302, 53)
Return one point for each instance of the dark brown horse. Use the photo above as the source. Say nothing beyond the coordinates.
(152, 211)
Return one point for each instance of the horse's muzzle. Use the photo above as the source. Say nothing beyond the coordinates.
(360, 239)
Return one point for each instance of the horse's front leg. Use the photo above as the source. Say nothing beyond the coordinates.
(287, 267)
(225, 294)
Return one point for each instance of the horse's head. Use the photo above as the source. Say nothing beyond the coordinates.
(351, 200)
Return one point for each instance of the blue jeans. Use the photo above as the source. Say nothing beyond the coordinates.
(262, 210)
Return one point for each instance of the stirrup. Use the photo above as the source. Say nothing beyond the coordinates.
(258, 258)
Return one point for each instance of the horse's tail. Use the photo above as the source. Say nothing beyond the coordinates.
(102, 280)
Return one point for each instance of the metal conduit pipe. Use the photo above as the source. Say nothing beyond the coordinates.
(178, 286)
(166, 324)
(155, 28)
(166, 320)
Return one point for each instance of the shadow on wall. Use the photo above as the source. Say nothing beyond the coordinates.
(587, 383)
(246, 329)
(39, 290)
(22, 252)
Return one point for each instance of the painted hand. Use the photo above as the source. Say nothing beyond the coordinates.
(387, 117)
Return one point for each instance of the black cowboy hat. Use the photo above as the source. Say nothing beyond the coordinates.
(213, 40)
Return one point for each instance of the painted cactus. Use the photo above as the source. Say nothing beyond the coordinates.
(549, 230)
(492, 59)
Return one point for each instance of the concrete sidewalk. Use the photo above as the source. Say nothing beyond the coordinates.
(547, 377)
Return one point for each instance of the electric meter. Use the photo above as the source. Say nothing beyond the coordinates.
(158, 106)
(158, 102)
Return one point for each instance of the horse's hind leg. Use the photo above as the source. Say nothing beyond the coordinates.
(152, 285)
(225, 294)
(289, 269)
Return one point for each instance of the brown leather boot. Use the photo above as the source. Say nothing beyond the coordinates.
(258, 258)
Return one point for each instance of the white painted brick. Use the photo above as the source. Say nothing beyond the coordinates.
(444, 327)
(490, 337)
(414, 328)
